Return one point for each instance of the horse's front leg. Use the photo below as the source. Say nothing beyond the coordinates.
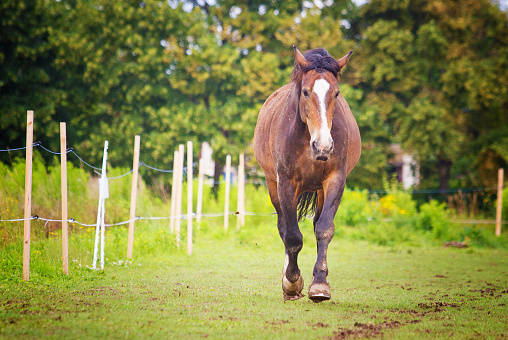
(292, 281)
(328, 202)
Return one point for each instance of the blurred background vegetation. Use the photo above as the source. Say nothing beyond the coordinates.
(429, 75)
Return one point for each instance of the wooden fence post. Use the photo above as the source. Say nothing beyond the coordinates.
(228, 187)
(240, 221)
(181, 159)
(173, 192)
(199, 204)
(189, 197)
(134, 195)
(28, 193)
(499, 210)
(65, 223)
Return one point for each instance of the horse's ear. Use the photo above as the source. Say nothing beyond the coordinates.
(342, 61)
(300, 59)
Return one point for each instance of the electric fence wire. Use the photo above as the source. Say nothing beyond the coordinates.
(39, 144)
(255, 182)
(69, 150)
(15, 149)
(156, 169)
(137, 218)
(163, 170)
(122, 175)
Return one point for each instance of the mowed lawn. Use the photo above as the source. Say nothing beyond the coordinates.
(230, 288)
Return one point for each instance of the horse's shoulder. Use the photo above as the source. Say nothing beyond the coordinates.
(279, 94)
(274, 102)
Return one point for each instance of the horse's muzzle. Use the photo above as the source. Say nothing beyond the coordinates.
(321, 152)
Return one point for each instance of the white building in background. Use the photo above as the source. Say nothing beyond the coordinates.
(405, 166)
(410, 171)
(207, 162)
(206, 159)
(209, 165)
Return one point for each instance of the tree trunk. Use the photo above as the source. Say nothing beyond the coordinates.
(443, 168)
(219, 168)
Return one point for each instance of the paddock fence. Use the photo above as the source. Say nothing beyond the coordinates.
(176, 214)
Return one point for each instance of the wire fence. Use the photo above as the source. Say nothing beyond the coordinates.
(138, 218)
(259, 182)
(176, 196)
(71, 150)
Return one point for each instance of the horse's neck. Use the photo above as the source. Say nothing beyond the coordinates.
(291, 107)
(290, 121)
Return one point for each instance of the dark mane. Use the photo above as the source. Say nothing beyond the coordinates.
(319, 60)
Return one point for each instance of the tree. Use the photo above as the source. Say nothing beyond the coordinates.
(419, 65)
(27, 74)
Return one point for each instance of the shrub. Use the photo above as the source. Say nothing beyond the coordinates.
(356, 208)
(398, 205)
(433, 218)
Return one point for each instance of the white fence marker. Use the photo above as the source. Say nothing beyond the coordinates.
(103, 194)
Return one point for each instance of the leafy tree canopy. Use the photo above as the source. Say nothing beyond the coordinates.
(431, 75)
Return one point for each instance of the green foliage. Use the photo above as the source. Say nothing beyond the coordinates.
(394, 219)
(46, 202)
(434, 218)
(356, 209)
(430, 75)
(428, 70)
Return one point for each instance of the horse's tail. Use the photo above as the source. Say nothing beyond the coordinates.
(307, 203)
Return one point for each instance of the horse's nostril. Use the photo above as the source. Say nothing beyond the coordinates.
(314, 146)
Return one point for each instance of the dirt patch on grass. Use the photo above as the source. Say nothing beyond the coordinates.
(277, 322)
(437, 306)
(367, 330)
(421, 311)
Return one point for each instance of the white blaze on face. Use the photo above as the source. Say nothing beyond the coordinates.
(321, 87)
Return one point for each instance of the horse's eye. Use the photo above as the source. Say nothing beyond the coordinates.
(305, 93)
(337, 94)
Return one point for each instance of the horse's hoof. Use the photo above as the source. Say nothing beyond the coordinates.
(319, 292)
(292, 291)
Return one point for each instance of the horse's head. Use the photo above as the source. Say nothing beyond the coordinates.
(316, 75)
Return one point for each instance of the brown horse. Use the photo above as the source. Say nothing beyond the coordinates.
(307, 141)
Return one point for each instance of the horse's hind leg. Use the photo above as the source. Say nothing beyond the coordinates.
(292, 281)
(328, 202)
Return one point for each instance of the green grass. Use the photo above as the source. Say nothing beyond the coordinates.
(230, 288)
(391, 279)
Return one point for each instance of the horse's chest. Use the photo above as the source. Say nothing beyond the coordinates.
(307, 173)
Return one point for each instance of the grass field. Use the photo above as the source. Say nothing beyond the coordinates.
(230, 288)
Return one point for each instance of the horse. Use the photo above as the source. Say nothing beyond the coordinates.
(307, 141)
